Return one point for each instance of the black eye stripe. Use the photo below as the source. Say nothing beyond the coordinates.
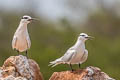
(82, 35)
(24, 17)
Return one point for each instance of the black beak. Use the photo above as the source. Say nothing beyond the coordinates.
(89, 37)
(32, 19)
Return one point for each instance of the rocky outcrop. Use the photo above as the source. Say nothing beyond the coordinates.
(20, 68)
(90, 73)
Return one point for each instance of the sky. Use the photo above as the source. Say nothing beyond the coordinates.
(56, 9)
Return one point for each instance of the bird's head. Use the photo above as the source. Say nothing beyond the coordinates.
(26, 19)
(84, 37)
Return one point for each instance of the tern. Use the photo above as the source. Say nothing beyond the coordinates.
(21, 40)
(77, 54)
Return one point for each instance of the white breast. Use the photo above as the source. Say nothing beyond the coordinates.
(78, 55)
(22, 42)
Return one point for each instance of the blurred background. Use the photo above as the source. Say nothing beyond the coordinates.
(60, 23)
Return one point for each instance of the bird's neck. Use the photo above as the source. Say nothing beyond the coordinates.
(79, 44)
(22, 26)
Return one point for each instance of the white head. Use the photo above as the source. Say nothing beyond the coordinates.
(26, 19)
(84, 37)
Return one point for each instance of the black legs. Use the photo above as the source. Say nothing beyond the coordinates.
(26, 54)
(71, 67)
(18, 52)
(79, 65)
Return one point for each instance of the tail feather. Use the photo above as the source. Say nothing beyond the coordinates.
(56, 62)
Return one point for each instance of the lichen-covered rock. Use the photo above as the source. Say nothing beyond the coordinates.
(8, 78)
(90, 73)
(35, 69)
(20, 68)
(13, 78)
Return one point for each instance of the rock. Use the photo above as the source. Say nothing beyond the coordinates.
(36, 70)
(20, 68)
(13, 78)
(90, 73)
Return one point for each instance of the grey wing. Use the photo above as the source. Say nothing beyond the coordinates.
(84, 57)
(68, 55)
(28, 42)
(14, 42)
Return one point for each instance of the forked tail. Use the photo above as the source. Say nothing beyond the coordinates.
(56, 62)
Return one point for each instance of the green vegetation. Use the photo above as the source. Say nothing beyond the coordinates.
(49, 43)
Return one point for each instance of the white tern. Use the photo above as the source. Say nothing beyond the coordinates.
(77, 54)
(21, 40)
